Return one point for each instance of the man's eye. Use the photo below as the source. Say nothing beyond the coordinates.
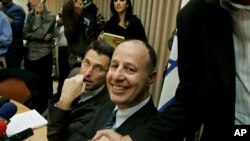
(85, 63)
(113, 66)
(130, 70)
(98, 69)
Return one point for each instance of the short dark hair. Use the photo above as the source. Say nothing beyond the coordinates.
(151, 52)
(101, 47)
(152, 57)
(129, 11)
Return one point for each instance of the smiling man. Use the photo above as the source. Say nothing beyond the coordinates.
(82, 94)
(131, 72)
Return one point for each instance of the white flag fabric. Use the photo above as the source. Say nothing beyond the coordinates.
(184, 2)
(171, 79)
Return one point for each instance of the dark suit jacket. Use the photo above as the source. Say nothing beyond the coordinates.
(206, 93)
(61, 122)
(141, 117)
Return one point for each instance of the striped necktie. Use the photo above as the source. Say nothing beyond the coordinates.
(109, 124)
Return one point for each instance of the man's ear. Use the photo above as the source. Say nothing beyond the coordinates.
(152, 77)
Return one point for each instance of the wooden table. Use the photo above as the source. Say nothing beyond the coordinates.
(40, 134)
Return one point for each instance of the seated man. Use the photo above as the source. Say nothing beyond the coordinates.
(76, 105)
(130, 75)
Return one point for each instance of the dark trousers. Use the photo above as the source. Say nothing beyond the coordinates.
(14, 57)
(43, 68)
(63, 66)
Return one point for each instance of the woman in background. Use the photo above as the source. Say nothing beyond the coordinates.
(123, 22)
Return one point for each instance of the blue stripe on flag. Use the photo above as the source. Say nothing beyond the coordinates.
(163, 107)
(171, 79)
(173, 64)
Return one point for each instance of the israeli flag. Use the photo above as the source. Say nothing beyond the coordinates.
(171, 79)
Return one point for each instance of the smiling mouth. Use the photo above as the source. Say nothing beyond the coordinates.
(120, 88)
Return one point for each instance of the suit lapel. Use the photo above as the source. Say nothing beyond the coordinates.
(139, 118)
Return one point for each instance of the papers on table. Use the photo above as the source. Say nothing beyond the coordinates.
(30, 119)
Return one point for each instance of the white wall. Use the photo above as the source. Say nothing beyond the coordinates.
(22, 3)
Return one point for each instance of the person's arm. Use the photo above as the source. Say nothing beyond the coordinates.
(59, 113)
(27, 28)
(58, 122)
(72, 88)
(37, 30)
(16, 19)
(5, 31)
(100, 20)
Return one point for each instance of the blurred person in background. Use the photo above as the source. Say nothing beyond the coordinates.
(123, 22)
(38, 32)
(5, 33)
(82, 25)
(63, 55)
(16, 16)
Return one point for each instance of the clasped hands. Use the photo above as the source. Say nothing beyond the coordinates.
(109, 135)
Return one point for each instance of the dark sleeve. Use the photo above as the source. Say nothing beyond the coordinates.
(58, 122)
(89, 130)
(64, 124)
(37, 29)
(86, 132)
(18, 17)
(27, 30)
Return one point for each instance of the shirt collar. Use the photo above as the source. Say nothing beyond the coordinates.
(89, 94)
(123, 114)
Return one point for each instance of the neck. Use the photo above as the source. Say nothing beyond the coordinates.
(122, 21)
(121, 17)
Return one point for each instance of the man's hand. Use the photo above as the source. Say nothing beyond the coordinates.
(109, 135)
(100, 37)
(39, 9)
(48, 37)
(72, 88)
(78, 6)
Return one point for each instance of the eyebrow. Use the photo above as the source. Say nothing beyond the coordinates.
(98, 65)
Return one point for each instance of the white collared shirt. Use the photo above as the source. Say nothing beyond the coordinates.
(123, 114)
(89, 94)
(241, 37)
(59, 32)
